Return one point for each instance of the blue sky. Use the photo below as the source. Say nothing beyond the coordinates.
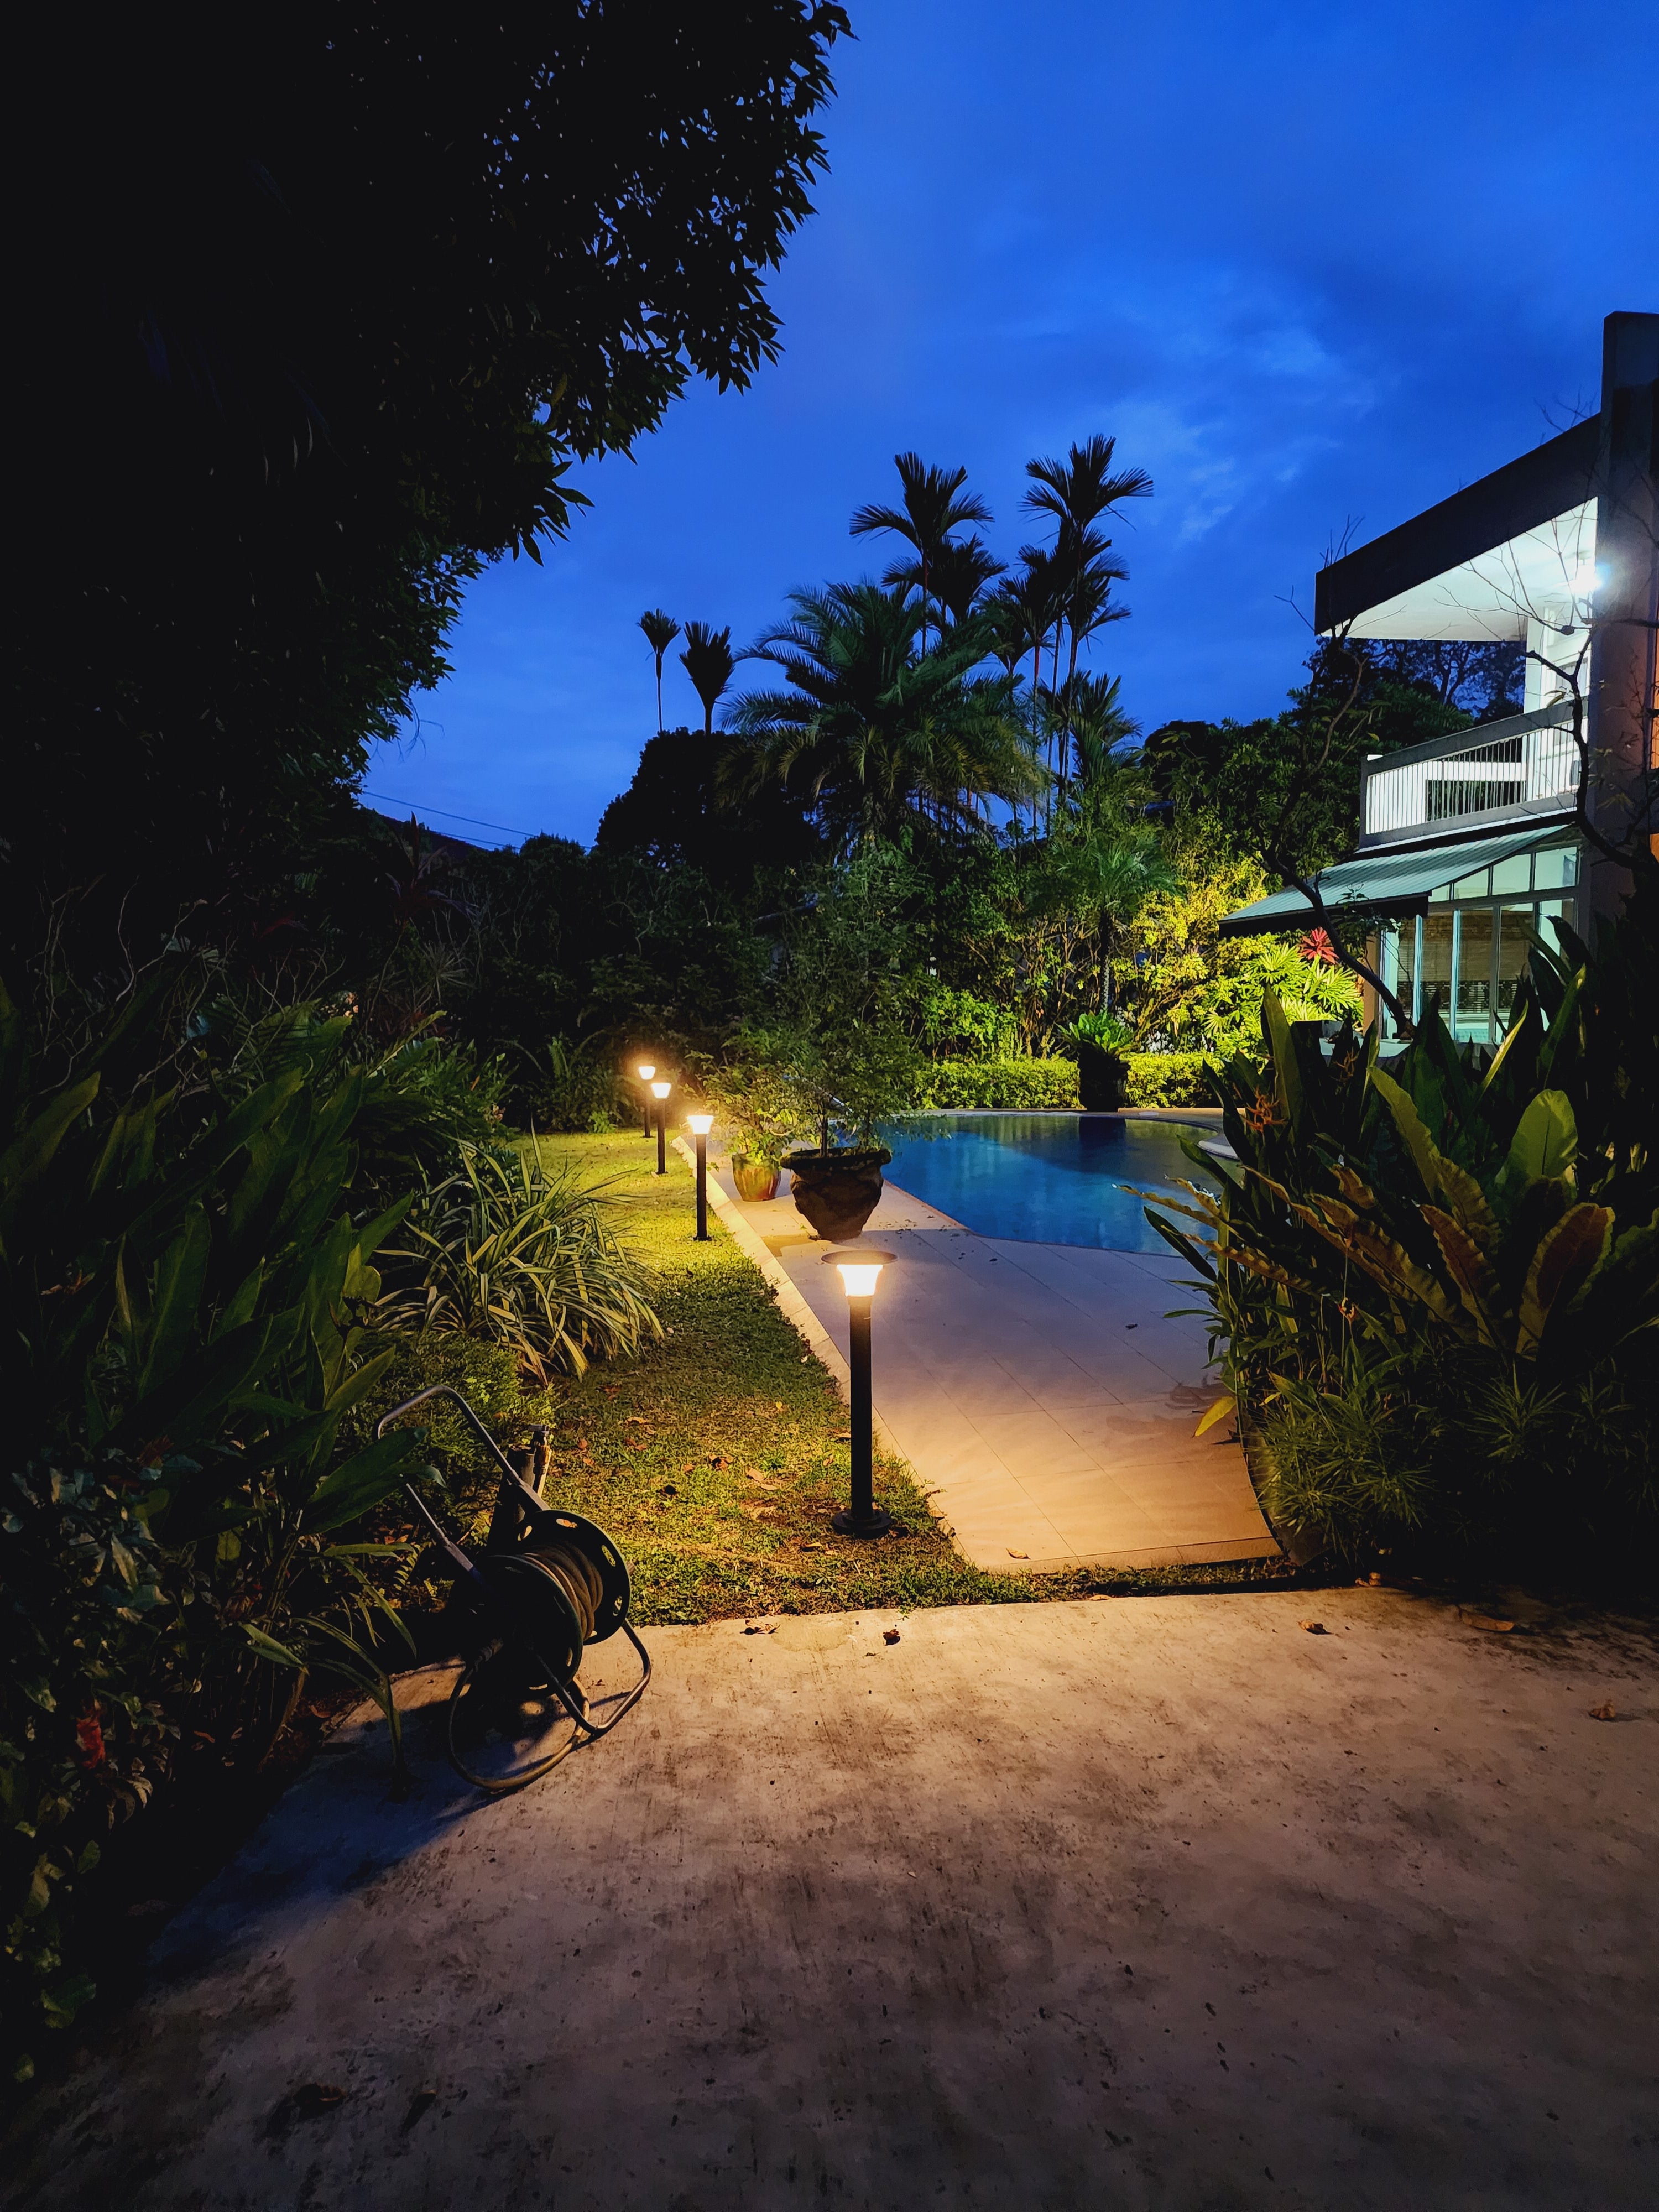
(1314, 266)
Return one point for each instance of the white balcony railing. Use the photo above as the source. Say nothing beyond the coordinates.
(1516, 766)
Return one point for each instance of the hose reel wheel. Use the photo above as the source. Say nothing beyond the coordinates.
(566, 1588)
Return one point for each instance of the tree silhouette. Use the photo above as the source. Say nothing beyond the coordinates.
(934, 506)
(708, 661)
(660, 631)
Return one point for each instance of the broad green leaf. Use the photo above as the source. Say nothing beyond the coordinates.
(1545, 1143)
(173, 1315)
(268, 1648)
(1563, 1263)
(1218, 1412)
(367, 1477)
(1470, 1269)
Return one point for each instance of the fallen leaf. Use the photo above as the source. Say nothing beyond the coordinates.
(668, 1489)
(1607, 1712)
(318, 2097)
(889, 1636)
(718, 1460)
(1485, 1620)
(1018, 1555)
(1314, 1628)
(760, 1628)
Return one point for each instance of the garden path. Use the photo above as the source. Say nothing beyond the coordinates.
(1153, 1902)
(1039, 1391)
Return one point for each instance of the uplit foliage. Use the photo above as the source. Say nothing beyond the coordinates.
(1438, 1283)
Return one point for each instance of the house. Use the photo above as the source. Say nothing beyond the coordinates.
(1468, 844)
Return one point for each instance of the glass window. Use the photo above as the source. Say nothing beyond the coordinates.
(1472, 987)
(1472, 886)
(1442, 892)
(1555, 869)
(1399, 959)
(1434, 975)
(1515, 925)
(1549, 910)
(1514, 875)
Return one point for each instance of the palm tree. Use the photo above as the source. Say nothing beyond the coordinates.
(934, 506)
(875, 735)
(708, 661)
(961, 569)
(1076, 493)
(660, 631)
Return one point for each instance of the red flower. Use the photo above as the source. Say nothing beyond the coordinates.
(89, 1740)
(1317, 950)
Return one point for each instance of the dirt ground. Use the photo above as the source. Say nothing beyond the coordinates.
(1124, 1903)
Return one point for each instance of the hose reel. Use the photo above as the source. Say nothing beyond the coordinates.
(546, 1585)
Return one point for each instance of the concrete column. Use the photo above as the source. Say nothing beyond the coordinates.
(1624, 677)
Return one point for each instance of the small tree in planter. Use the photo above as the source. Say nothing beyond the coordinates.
(855, 1076)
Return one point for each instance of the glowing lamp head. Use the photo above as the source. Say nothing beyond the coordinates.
(660, 1090)
(860, 1265)
(699, 1124)
(648, 1069)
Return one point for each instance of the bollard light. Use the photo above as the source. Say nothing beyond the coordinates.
(700, 1125)
(860, 1267)
(659, 1091)
(647, 1069)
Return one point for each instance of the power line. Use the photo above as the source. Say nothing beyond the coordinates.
(386, 799)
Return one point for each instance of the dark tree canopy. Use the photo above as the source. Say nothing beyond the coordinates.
(316, 307)
(677, 812)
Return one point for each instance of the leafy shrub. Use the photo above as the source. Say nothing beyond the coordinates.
(958, 1025)
(1438, 1283)
(1170, 1079)
(1106, 1031)
(508, 1254)
(572, 1088)
(1027, 1085)
(182, 1294)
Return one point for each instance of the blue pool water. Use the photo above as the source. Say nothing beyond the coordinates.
(1045, 1178)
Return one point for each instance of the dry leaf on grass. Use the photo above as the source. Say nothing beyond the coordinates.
(1314, 1628)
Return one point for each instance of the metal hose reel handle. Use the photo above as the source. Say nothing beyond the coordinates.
(547, 1584)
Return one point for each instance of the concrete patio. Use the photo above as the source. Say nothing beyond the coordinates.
(1163, 1904)
(1038, 1390)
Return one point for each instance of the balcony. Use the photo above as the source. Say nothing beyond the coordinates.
(1523, 768)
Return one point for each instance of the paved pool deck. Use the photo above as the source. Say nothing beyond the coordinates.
(1158, 1903)
(1041, 1392)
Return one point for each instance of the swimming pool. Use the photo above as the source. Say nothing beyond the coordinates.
(1044, 1178)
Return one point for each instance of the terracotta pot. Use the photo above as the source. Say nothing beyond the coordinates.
(837, 1192)
(755, 1180)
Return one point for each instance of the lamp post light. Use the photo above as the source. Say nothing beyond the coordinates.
(659, 1091)
(648, 1068)
(700, 1125)
(861, 1267)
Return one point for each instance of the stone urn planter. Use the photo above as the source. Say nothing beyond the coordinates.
(837, 1192)
(756, 1180)
(1102, 1079)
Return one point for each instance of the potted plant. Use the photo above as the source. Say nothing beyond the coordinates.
(855, 1080)
(1099, 1044)
(761, 1111)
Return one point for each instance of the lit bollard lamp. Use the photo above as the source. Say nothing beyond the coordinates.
(700, 1125)
(659, 1091)
(860, 1267)
(648, 1068)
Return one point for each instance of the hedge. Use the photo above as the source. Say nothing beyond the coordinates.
(1012, 1083)
(1169, 1078)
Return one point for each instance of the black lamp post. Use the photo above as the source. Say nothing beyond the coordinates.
(700, 1125)
(860, 1267)
(659, 1091)
(648, 1068)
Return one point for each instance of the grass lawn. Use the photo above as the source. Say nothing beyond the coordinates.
(717, 1456)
